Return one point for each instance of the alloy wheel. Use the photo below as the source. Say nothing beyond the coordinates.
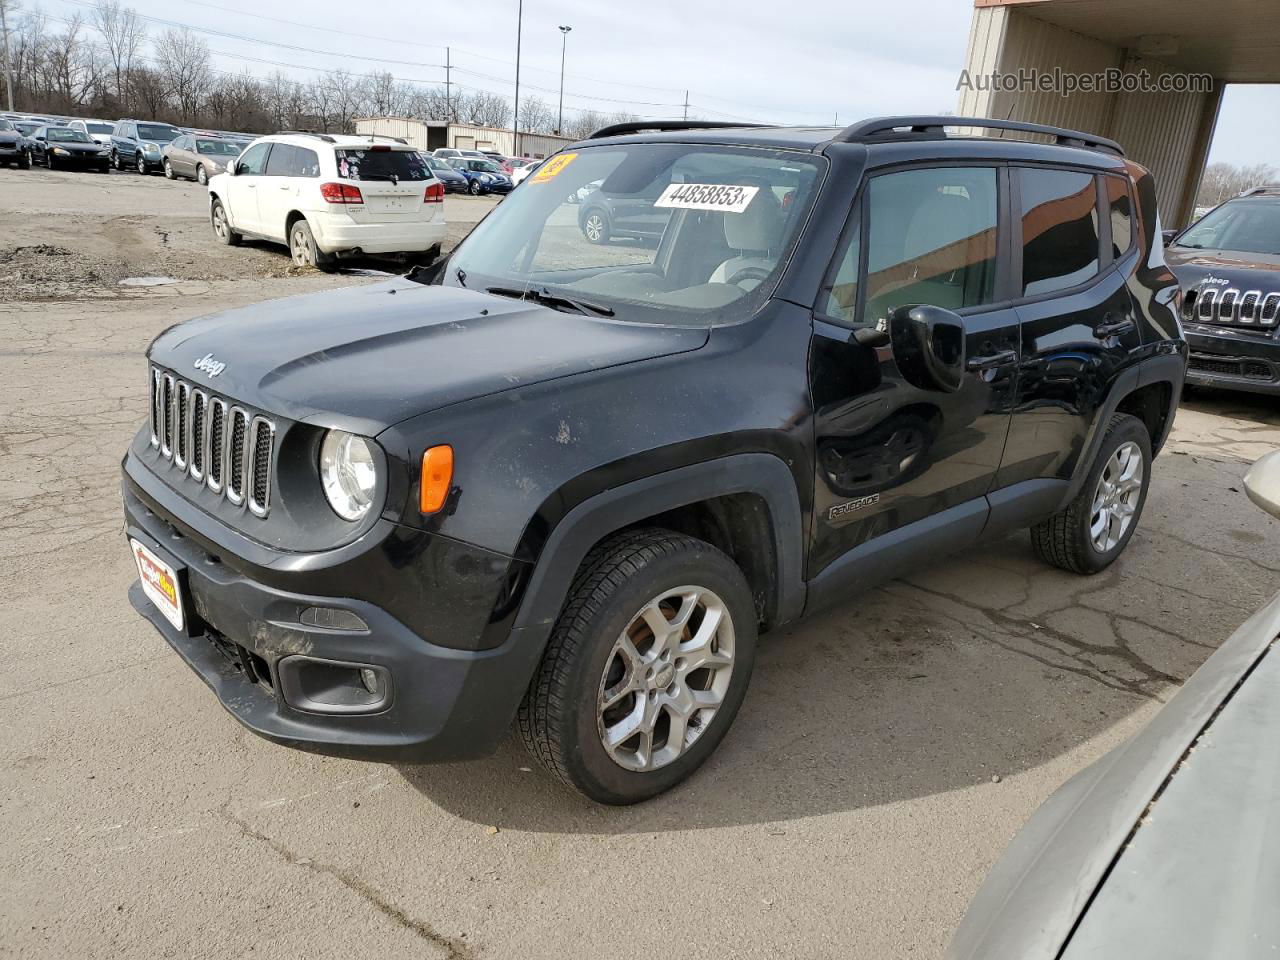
(300, 247)
(666, 677)
(220, 222)
(201, 177)
(1115, 500)
(594, 228)
(142, 165)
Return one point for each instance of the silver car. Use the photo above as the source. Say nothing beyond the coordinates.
(1168, 847)
(197, 157)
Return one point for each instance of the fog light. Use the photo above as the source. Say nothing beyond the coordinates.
(330, 618)
(370, 680)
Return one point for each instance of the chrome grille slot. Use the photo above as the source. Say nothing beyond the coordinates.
(1227, 306)
(1249, 306)
(227, 448)
(181, 423)
(261, 441)
(1270, 308)
(237, 436)
(217, 444)
(1207, 303)
(199, 436)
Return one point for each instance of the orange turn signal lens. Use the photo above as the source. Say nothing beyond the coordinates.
(437, 474)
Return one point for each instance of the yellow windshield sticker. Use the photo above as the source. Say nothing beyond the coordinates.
(553, 167)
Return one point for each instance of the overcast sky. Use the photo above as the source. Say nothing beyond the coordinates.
(747, 60)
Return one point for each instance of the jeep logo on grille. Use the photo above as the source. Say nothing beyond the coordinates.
(207, 364)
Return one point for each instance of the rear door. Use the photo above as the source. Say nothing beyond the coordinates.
(1077, 316)
(392, 180)
(889, 452)
(244, 187)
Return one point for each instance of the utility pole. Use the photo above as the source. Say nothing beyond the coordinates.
(686, 104)
(564, 40)
(8, 60)
(448, 88)
(515, 126)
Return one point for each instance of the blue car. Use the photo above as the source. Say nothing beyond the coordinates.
(453, 181)
(483, 176)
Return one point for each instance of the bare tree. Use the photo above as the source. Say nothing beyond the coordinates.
(536, 116)
(1222, 181)
(345, 98)
(71, 66)
(184, 61)
(122, 38)
(483, 109)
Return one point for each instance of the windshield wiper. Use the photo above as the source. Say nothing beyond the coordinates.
(555, 301)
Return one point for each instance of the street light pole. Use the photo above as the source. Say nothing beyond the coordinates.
(564, 40)
(515, 126)
(8, 63)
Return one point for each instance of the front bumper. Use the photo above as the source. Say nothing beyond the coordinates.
(1232, 359)
(242, 635)
(413, 237)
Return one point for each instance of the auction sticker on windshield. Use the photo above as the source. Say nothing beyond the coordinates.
(707, 196)
(553, 167)
(159, 583)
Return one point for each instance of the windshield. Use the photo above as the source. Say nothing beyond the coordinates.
(483, 166)
(26, 128)
(382, 164)
(63, 135)
(673, 232)
(158, 132)
(5, 124)
(436, 165)
(218, 148)
(1247, 226)
(100, 128)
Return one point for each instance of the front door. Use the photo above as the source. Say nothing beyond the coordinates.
(1078, 318)
(245, 186)
(890, 452)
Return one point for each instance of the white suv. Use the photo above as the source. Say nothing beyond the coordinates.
(328, 196)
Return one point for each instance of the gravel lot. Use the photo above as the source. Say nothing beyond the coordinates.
(851, 812)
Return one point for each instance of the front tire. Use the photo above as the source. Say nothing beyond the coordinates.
(1089, 534)
(595, 227)
(24, 161)
(140, 163)
(222, 226)
(645, 669)
(474, 188)
(116, 162)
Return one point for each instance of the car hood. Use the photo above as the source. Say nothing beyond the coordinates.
(10, 136)
(366, 357)
(1242, 271)
(75, 147)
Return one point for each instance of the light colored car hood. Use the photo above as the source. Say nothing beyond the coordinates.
(1046, 882)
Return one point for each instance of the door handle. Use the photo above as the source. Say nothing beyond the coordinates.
(284, 188)
(1111, 327)
(1004, 358)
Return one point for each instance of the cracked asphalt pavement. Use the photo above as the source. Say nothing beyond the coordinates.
(851, 812)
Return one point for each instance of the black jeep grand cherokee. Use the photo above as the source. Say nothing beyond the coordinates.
(570, 482)
(1229, 266)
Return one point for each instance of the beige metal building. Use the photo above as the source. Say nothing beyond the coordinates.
(1013, 44)
(433, 134)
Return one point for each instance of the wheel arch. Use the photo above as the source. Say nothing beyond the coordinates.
(745, 504)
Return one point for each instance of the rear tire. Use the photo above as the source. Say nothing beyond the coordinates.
(202, 178)
(610, 667)
(595, 227)
(168, 170)
(24, 160)
(303, 249)
(222, 226)
(1093, 530)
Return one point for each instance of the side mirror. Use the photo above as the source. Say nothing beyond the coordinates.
(928, 345)
(233, 168)
(40, 138)
(1168, 235)
(1262, 483)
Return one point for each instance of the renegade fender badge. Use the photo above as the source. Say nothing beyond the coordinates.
(841, 509)
(207, 364)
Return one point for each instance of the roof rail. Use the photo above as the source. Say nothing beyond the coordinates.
(385, 136)
(305, 133)
(890, 128)
(1261, 189)
(637, 126)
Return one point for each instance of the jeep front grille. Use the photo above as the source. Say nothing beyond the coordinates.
(224, 446)
(1250, 308)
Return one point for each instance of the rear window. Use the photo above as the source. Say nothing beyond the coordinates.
(100, 128)
(371, 164)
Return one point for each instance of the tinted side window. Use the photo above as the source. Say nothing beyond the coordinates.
(842, 290)
(282, 162)
(1059, 229)
(931, 239)
(1120, 204)
(306, 162)
(253, 160)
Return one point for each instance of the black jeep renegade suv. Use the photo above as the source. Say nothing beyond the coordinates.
(1229, 266)
(570, 482)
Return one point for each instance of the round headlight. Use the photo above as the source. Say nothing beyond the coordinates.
(348, 473)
